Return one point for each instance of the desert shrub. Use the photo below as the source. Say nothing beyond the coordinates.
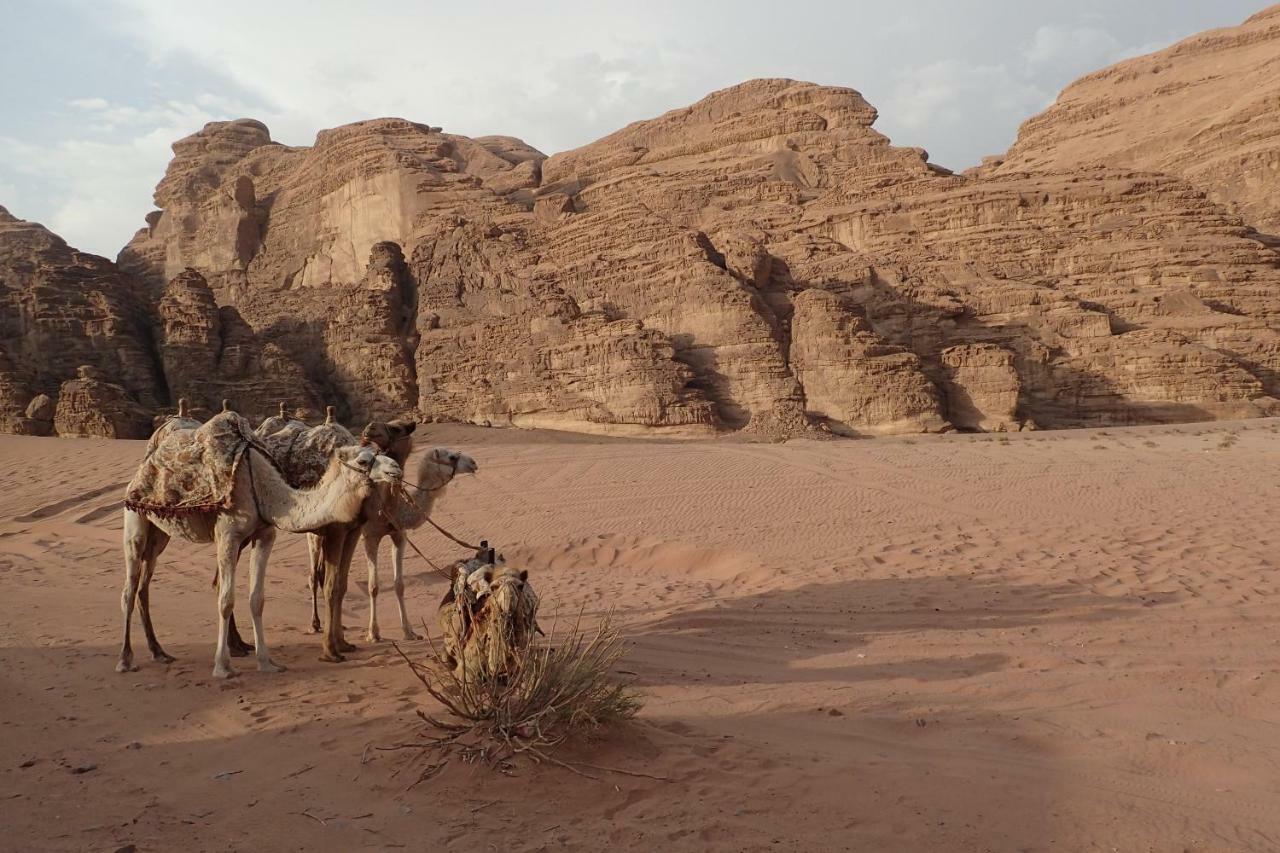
(550, 691)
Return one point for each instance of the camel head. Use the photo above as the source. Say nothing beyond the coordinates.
(507, 617)
(366, 467)
(394, 438)
(441, 465)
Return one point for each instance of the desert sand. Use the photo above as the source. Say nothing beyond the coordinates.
(1035, 641)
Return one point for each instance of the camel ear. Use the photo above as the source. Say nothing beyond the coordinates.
(524, 575)
(402, 428)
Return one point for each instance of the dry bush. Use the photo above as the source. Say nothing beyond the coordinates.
(550, 691)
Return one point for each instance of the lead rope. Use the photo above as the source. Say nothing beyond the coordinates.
(253, 484)
(446, 533)
(439, 571)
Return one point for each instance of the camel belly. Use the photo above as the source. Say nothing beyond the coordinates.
(192, 528)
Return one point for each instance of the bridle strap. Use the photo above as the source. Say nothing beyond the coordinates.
(253, 483)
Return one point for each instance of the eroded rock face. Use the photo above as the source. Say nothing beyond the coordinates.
(89, 405)
(855, 381)
(1206, 109)
(371, 338)
(763, 260)
(60, 309)
(210, 354)
(981, 388)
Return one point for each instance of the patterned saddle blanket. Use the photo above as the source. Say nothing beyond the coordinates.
(191, 467)
(302, 453)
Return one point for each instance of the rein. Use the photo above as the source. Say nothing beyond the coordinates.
(253, 483)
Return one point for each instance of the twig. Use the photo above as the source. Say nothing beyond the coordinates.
(300, 772)
(626, 772)
(318, 820)
(565, 765)
(484, 806)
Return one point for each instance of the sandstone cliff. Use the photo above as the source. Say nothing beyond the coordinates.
(1206, 109)
(61, 309)
(763, 260)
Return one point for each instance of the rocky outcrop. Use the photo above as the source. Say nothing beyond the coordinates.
(981, 388)
(210, 354)
(1206, 109)
(60, 309)
(371, 337)
(853, 380)
(89, 405)
(763, 260)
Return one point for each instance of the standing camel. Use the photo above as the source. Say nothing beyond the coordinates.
(300, 453)
(257, 500)
(436, 470)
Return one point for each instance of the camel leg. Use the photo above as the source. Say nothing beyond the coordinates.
(397, 577)
(136, 530)
(315, 580)
(340, 587)
(156, 543)
(228, 547)
(257, 594)
(239, 648)
(332, 541)
(371, 557)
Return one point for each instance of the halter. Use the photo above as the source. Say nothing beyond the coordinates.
(454, 466)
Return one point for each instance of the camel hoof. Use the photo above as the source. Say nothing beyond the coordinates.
(410, 635)
(344, 646)
(373, 637)
(221, 672)
(163, 657)
(315, 627)
(332, 658)
(126, 666)
(271, 666)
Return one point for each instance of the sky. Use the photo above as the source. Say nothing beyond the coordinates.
(94, 92)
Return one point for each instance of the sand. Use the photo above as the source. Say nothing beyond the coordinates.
(1046, 641)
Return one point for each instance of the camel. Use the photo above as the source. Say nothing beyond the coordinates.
(436, 470)
(300, 452)
(487, 618)
(259, 501)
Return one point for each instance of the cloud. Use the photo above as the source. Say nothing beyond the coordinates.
(100, 184)
(88, 137)
(980, 105)
(89, 103)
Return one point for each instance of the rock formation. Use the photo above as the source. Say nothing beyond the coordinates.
(210, 354)
(763, 260)
(89, 405)
(1206, 109)
(61, 309)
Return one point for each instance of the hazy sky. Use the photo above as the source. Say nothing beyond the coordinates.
(93, 93)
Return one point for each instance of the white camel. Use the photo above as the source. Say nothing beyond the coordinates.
(261, 501)
(393, 516)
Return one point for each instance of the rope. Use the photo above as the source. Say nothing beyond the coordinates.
(444, 532)
(253, 484)
(449, 535)
(439, 571)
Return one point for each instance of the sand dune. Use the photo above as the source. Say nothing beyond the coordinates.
(1041, 641)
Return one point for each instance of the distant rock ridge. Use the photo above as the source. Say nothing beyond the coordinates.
(762, 261)
(1206, 109)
